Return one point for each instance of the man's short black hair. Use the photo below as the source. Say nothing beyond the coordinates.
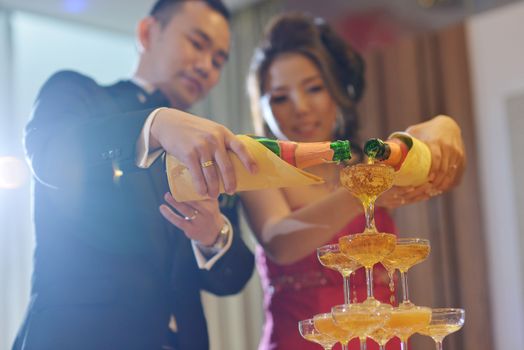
(163, 10)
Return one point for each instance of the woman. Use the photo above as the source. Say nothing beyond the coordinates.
(304, 83)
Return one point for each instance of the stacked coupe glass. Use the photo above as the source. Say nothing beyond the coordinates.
(372, 319)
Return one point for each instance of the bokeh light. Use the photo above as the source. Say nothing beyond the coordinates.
(13, 173)
(74, 6)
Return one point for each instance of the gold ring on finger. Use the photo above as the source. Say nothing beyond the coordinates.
(434, 192)
(207, 163)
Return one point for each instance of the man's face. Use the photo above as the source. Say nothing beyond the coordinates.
(186, 56)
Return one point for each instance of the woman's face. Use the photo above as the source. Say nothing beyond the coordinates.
(301, 107)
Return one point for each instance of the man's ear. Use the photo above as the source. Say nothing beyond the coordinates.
(145, 31)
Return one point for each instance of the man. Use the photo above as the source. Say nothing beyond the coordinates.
(110, 272)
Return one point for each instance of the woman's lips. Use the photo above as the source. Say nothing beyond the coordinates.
(307, 129)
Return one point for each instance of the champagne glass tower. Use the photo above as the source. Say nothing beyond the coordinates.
(373, 319)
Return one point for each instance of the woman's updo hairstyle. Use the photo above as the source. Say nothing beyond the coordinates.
(342, 68)
(349, 63)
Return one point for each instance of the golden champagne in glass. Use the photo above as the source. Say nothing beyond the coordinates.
(367, 182)
(368, 249)
(331, 257)
(406, 321)
(310, 333)
(361, 319)
(325, 324)
(444, 322)
(382, 336)
(407, 253)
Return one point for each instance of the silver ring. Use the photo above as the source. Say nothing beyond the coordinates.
(192, 217)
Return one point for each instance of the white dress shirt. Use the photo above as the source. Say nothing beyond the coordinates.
(205, 256)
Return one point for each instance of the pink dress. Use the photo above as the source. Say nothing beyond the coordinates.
(301, 290)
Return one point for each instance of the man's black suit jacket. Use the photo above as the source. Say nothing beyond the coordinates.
(109, 270)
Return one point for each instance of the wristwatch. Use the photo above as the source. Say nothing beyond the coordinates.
(221, 240)
(223, 236)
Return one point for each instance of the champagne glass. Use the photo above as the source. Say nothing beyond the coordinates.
(309, 332)
(444, 322)
(325, 324)
(367, 182)
(331, 257)
(406, 321)
(407, 253)
(361, 319)
(382, 336)
(368, 249)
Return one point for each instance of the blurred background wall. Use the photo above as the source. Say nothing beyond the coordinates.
(424, 57)
(33, 47)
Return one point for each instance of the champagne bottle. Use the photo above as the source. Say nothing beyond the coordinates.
(410, 157)
(306, 154)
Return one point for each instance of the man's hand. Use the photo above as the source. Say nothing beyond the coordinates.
(202, 146)
(201, 221)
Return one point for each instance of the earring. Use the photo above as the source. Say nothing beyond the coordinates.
(351, 92)
(340, 123)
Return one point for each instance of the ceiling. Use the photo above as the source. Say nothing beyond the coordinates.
(121, 15)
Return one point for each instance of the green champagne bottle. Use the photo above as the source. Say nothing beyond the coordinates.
(410, 157)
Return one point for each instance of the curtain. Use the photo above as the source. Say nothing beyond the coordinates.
(409, 82)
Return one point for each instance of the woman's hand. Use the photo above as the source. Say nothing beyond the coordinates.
(398, 196)
(200, 220)
(444, 139)
(448, 161)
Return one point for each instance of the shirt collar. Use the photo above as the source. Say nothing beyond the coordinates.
(144, 84)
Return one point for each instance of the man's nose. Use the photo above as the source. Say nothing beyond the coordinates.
(204, 65)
